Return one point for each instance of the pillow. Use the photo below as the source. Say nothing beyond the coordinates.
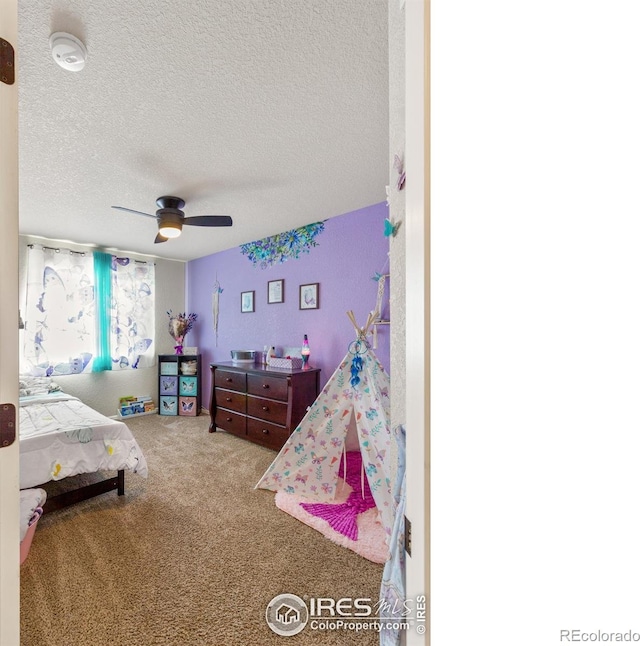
(37, 386)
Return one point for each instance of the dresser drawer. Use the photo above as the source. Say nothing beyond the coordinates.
(269, 435)
(231, 399)
(264, 386)
(231, 422)
(231, 380)
(268, 409)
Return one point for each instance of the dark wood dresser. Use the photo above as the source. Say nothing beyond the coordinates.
(260, 404)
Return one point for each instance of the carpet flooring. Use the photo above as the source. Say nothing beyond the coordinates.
(191, 555)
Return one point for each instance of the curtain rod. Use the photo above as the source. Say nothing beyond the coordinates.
(57, 249)
(82, 253)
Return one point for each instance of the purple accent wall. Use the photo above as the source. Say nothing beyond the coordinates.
(350, 251)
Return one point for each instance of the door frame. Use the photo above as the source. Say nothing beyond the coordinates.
(9, 456)
(417, 222)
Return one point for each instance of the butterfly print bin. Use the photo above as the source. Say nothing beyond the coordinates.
(187, 406)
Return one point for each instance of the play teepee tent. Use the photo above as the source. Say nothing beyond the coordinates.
(351, 412)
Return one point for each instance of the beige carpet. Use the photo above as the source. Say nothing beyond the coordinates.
(191, 555)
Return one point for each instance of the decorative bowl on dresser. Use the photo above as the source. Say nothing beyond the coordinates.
(259, 403)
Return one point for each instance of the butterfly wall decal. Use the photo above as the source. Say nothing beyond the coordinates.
(390, 228)
(398, 164)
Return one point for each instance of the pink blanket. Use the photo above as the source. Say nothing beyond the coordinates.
(342, 517)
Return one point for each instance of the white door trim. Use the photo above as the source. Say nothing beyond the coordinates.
(9, 456)
(417, 303)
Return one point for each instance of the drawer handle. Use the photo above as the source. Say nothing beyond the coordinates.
(265, 385)
(265, 408)
(265, 431)
(228, 399)
(229, 419)
(228, 379)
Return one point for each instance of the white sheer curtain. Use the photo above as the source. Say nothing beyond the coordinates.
(60, 312)
(133, 289)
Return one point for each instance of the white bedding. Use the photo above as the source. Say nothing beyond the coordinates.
(30, 500)
(61, 437)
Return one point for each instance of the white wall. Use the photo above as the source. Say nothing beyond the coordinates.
(103, 389)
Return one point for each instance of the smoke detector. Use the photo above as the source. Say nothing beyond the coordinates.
(68, 51)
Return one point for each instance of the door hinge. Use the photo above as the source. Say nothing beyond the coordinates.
(7, 62)
(7, 425)
(407, 536)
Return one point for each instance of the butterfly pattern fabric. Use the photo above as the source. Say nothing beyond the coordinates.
(309, 463)
(132, 314)
(169, 385)
(64, 307)
(60, 336)
(168, 405)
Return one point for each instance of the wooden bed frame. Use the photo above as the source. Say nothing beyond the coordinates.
(67, 498)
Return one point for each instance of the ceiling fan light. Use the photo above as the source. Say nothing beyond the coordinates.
(170, 230)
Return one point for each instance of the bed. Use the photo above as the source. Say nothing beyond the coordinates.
(60, 436)
(31, 503)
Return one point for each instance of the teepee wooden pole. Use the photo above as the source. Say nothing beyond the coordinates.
(362, 331)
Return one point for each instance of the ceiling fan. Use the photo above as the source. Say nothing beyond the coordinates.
(170, 218)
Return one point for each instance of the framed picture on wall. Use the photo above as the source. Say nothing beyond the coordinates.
(275, 291)
(310, 296)
(247, 301)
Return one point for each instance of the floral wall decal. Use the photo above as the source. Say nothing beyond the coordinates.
(279, 248)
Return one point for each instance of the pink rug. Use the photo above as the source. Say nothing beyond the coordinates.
(371, 542)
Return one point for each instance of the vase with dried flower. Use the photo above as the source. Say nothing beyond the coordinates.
(179, 325)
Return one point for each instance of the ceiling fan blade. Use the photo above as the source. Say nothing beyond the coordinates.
(160, 238)
(209, 221)
(122, 208)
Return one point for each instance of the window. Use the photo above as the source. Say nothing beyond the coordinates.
(87, 312)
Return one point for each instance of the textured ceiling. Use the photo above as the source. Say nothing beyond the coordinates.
(274, 112)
